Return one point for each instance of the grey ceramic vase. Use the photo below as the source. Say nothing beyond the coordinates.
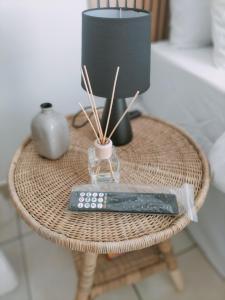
(50, 133)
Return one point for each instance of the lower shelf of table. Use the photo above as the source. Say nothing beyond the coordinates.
(126, 269)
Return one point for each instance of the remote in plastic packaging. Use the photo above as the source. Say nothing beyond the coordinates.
(152, 203)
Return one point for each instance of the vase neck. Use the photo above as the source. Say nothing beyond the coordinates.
(46, 107)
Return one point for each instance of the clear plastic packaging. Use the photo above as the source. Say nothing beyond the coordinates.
(184, 194)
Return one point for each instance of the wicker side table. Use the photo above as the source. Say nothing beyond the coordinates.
(160, 153)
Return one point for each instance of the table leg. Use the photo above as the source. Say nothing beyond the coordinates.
(86, 276)
(175, 274)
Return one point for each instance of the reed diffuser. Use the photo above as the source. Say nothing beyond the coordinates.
(103, 163)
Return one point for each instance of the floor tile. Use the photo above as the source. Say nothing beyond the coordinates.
(8, 217)
(50, 269)
(51, 272)
(201, 281)
(13, 253)
(123, 293)
(181, 242)
(24, 227)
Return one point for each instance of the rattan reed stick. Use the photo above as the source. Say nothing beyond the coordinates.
(90, 100)
(129, 106)
(111, 169)
(93, 100)
(92, 126)
(98, 170)
(111, 103)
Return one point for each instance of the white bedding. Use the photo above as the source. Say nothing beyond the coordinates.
(187, 89)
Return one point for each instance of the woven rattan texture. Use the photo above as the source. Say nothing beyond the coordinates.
(159, 153)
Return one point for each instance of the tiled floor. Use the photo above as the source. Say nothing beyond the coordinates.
(45, 271)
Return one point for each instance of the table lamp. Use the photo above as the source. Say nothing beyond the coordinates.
(113, 37)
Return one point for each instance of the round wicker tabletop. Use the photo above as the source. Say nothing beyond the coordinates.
(159, 153)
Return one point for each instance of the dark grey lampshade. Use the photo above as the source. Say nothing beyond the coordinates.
(112, 37)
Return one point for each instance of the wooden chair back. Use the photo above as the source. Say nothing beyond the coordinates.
(158, 8)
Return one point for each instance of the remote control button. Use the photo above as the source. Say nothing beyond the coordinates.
(82, 194)
(87, 205)
(93, 199)
(100, 205)
(80, 205)
(101, 194)
(93, 205)
(95, 195)
(87, 199)
(100, 200)
(81, 199)
(88, 194)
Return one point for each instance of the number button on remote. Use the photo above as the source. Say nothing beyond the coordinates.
(95, 195)
(100, 200)
(100, 205)
(93, 205)
(88, 194)
(82, 194)
(87, 199)
(87, 205)
(81, 199)
(101, 194)
(93, 199)
(80, 205)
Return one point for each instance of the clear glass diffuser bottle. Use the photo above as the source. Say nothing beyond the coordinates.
(103, 163)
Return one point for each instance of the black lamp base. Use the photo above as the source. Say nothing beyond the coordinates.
(123, 134)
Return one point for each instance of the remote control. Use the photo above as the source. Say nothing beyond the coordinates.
(123, 202)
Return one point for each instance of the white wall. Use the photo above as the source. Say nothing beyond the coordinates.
(40, 45)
